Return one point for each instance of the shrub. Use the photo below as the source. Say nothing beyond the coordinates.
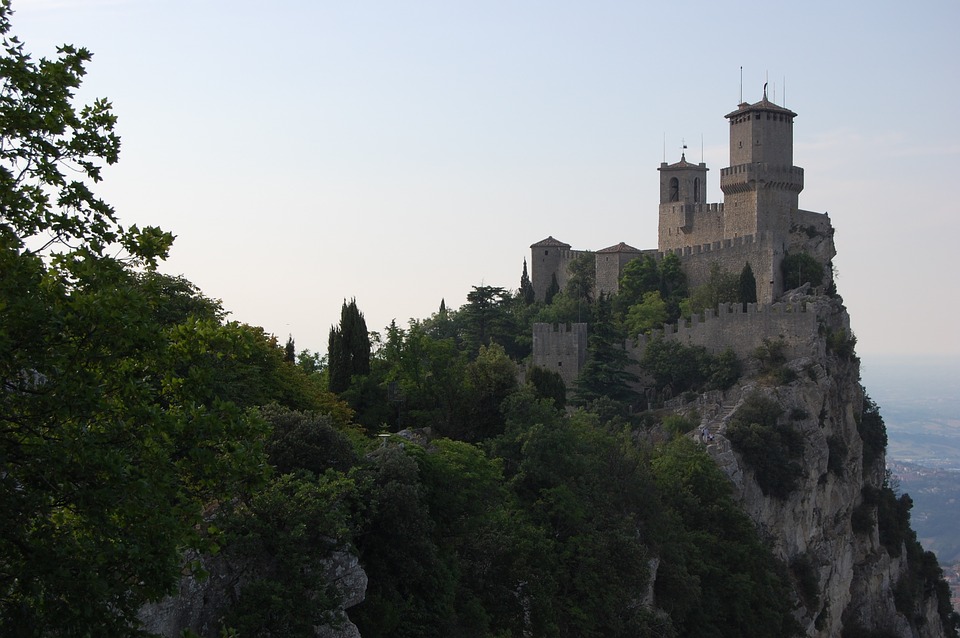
(548, 384)
(862, 519)
(771, 450)
(690, 368)
(806, 577)
(837, 458)
(801, 268)
(841, 344)
(725, 369)
(873, 432)
(677, 425)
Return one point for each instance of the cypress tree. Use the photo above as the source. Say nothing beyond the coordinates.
(748, 285)
(348, 348)
(527, 293)
(290, 350)
(553, 289)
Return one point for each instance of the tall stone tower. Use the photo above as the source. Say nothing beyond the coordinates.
(761, 185)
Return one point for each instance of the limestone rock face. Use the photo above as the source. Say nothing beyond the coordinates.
(855, 574)
(200, 603)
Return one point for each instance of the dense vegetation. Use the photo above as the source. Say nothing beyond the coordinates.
(140, 430)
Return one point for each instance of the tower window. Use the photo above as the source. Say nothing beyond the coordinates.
(674, 189)
(696, 190)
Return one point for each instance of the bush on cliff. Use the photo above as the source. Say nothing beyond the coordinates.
(772, 450)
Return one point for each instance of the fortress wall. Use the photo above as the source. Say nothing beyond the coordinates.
(731, 255)
(560, 348)
(742, 331)
(818, 221)
(685, 224)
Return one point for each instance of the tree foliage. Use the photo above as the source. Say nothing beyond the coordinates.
(605, 373)
(582, 277)
(721, 287)
(348, 348)
(773, 450)
(801, 268)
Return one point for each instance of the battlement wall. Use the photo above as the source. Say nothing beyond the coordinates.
(744, 177)
(716, 246)
(743, 331)
(561, 348)
(687, 224)
(762, 251)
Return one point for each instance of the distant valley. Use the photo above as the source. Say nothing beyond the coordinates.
(919, 399)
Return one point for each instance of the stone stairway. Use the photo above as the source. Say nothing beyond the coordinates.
(716, 413)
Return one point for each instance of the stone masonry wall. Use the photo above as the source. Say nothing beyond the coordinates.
(743, 331)
(763, 253)
(560, 348)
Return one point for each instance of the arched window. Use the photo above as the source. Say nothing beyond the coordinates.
(696, 190)
(674, 189)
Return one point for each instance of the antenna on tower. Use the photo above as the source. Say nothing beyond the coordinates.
(701, 148)
(664, 147)
(784, 96)
(741, 85)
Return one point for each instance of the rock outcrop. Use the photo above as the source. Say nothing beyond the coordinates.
(200, 603)
(812, 529)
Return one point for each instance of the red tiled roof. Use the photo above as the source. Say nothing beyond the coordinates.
(550, 241)
(620, 248)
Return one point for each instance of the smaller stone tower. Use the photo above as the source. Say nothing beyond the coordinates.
(683, 190)
(548, 257)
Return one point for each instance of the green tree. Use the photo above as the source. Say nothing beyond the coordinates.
(716, 577)
(490, 378)
(640, 276)
(290, 350)
(348, 348)
(548, 385)
(581, 277)
(646, 315)
(720, 287)
(111, 445)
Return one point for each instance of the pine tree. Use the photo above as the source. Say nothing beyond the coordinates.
(290, 350)
(605, 373)
(348, 348)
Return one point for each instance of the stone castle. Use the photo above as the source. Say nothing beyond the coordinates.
(759, 222)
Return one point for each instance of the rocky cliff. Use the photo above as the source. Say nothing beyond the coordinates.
(200, 603)
(826, 528)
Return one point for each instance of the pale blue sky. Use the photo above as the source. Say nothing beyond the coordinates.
(400, 152)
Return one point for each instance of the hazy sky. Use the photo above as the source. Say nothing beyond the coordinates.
(400, 151)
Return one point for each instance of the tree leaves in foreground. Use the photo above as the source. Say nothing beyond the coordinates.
(110, 445)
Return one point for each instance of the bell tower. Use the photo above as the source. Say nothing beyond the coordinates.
(761, 186)
(683, 189)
